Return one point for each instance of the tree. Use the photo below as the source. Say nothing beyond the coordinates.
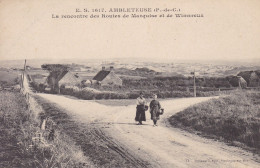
(57, 71)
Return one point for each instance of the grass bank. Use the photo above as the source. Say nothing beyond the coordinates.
(234, 118)
(18, 126)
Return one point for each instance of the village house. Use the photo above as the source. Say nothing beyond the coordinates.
(70, 79)
(64, 78)
(42, 80)
(107, 77)
(252, 78)
(237, 81)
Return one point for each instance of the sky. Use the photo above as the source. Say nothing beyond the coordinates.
(228, 31)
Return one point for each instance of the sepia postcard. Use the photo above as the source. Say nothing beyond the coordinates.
(130, 83)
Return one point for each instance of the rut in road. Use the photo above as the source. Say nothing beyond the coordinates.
(119, 149)
(102, 150)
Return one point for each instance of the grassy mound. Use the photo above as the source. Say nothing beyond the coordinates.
(235, 118)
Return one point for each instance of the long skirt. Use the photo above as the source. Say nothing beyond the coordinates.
(155, 113)
(140, 114)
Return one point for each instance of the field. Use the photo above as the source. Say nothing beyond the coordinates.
(8, 77)
(234, 119)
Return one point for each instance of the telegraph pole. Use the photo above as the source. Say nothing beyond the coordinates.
(23, 72)
(24, 65)
(194, 83)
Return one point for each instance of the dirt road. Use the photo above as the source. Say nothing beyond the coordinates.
(161, 146)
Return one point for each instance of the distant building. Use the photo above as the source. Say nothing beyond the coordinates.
(86, 82)
(252, 77)
(38, 78)
(42, 80)
(28, 67)
(242, 82)
(237, 81)
(65, 78)
(70, 79)
(107, 77)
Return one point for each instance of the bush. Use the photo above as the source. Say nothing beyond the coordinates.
(38, 87)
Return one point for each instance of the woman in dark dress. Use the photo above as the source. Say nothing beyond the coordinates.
(140, 109)
(155, 107)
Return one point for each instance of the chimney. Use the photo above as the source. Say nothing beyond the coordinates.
(103, 68)
(111, 68)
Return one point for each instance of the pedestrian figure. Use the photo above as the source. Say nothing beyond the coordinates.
(140, 109)
(155, 108)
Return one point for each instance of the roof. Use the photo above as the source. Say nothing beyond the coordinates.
(57, 75)
(101, 75)
(70, 78)
(247, 74)
(62, 74)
